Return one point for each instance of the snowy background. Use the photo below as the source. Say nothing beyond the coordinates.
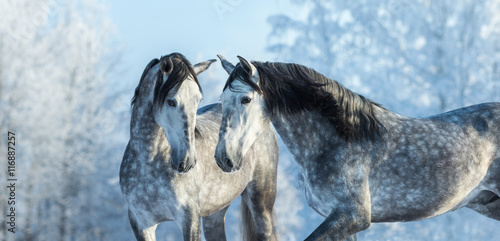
(68, 70)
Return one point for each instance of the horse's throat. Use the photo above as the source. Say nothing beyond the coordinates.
(305, 135)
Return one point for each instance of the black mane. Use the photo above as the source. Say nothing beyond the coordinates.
(182, 69)
(289, 89)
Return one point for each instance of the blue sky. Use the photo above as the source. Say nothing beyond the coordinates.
(196, 28)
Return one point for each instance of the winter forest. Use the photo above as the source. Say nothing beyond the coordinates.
(67, 77)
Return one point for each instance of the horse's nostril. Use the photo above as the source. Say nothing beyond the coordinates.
(219, 164)
(182, 166)
(229, 163)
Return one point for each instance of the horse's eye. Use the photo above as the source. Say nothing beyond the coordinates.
(171, 103)
(245, 100)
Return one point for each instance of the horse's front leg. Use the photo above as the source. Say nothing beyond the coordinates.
(190, 223)
(350, 214)
(213, 226)
(340, 226)
(257, 209)
(141, 232)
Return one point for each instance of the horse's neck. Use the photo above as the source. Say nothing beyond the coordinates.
(389, 119)
(306, 135)
(145, 133)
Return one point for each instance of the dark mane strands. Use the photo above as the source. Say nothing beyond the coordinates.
(289, 89)
(182, 69)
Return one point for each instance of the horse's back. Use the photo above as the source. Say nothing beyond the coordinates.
(215, 109)
(483, 118)
(208, 120)
(442, 157)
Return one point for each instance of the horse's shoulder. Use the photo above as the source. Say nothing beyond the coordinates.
(210, 113)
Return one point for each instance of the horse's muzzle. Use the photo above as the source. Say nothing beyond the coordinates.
(183, 166)
(226, 163)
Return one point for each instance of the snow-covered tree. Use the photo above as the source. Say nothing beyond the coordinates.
(55, 60)
(416, 57)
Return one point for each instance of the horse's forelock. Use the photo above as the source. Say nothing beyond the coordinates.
(182, 70)
(239, 73)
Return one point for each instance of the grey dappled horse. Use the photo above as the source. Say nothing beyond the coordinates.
(168, 170)
(360, 163)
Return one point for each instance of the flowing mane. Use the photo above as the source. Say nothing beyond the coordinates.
(182, 70)
(289, 89)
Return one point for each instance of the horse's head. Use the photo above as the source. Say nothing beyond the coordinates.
(177, 94)
(244, 114)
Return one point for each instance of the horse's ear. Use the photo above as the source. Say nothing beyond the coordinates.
(200, 67)
(166, 66)
(226, 64)
(247, 66)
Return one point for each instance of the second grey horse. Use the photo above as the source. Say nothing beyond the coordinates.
(360, 163)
